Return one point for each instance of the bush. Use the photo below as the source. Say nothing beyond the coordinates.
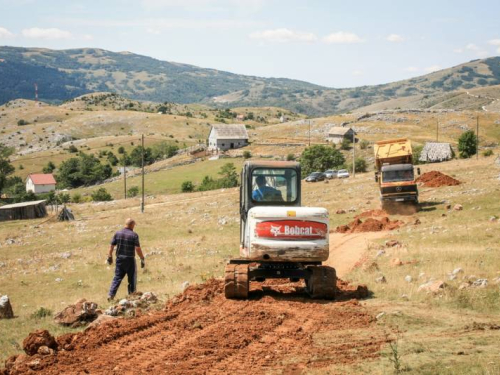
(82, 170)
(360, 165)
(467, 144)
(417, 151)
(346, 144)
(363, 145)
(290, 157)
(247, 154)
(321, 158)
(49, 168)
(42, 312)
(487, 153)
(121, 150)
(187, 187)
(133, 191)
(22, 122)
(63, 198)
(77, 198)
(101, 195)
(72, 149)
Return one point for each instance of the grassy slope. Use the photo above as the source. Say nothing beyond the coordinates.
(190, 244)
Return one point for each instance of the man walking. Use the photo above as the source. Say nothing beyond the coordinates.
(127, 244)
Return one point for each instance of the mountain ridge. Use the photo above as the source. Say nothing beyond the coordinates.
(65, 74)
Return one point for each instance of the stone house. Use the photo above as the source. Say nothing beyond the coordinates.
(224, 137)
(337, 134)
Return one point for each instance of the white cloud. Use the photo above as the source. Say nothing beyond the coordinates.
(50, 33)
(5, 34)
(458, 50)
(342, 37)
(87, 37)
(433, 68)
(395, 38)
(472, 47)
(411, 69)
(357, 73)
(494, 42)
(283, 36)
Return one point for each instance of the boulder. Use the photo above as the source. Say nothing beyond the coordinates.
(37, 339)
(432, 286)
(395, 262)
(81, 311)
(392, 243)
(6, 311)
(381, 280)
(408, 279)
(102, 319)
(458, 207)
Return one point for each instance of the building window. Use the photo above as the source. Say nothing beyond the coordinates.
(222, 145)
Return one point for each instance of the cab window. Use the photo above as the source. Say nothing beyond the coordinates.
(274, 185)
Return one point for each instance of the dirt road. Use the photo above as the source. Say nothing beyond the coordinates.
(347, 249)
(279, 329)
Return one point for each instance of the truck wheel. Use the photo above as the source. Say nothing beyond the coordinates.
(236, 281)
(323, 282)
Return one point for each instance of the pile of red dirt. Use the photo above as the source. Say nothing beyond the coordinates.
(437, 179)
(369, 225)
(200, 331)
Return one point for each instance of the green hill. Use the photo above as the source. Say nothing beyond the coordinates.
(64, 74)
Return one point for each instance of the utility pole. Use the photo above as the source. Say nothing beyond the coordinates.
(353, 154)
(124, 179)
(309, 133)
(142, 202)
(477, 137)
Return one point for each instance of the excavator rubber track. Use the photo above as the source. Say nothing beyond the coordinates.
(236, 281)
(323, 282)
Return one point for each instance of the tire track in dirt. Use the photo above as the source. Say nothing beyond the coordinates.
(200, 332)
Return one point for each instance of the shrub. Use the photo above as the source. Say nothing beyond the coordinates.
(363, 145)
(467, 144)
(72, 149)
(290, 157)
(63, 198)
(133, 191)
(42, 312)
(22, 122)
(487, 153)
(101, 195)
(187, 187)
(247, 154)
(346, 144)
(360, 165)
(49, 168)
(77, 198)
(121, 150)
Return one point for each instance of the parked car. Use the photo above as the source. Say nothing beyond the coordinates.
(315, 177)
(331, 173)
(343, 173)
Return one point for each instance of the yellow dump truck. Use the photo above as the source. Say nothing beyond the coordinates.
(395, 175)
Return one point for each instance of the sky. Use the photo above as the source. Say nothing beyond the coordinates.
(330, 43)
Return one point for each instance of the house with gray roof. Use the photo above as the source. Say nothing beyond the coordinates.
(337, 134)
(224, 137)
(435, 152)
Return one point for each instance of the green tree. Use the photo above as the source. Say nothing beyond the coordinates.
(229, 175)
(163, 150)
(63, 198)
(360, 165)
(417, 151)
(136, 156)
(363, 144)
(6, 168)
(133, 191)
(49, 168)
(290, 157)
(72, 149)
(321, 158)
(82, 170)
(187, 186)
(121, 150)
(247, 154)
(112, 159)
(101, 195)
(346, 144)
(467, 144)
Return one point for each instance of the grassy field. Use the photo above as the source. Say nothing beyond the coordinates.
(188, 237)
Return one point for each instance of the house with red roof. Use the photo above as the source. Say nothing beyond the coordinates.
(40, 183)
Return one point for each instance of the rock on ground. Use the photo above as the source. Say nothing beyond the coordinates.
(81, 311)
(38, 339)
(6, 311)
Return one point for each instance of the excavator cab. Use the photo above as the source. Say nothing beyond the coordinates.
(278, 237)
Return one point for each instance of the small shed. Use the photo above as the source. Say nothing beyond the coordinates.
(23, 210)
(224, 137)
(40, 183)
(435, 152)
(337, 134)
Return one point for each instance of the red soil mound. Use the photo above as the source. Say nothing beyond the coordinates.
(369, 225)
(201, 332)
(437, 179)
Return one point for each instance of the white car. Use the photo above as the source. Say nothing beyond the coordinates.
(343, 173)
